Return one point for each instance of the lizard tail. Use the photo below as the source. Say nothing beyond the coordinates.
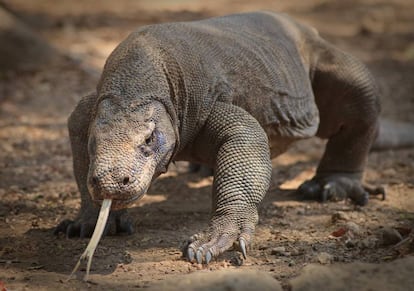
(393, 135)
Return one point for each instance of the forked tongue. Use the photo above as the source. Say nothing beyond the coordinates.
(96, 236)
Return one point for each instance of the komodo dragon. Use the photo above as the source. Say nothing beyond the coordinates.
(231, 93)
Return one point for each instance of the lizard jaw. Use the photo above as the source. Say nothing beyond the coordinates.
(118, 204)
(120, 200)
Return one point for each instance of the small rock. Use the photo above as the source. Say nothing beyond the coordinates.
(3, 210)
(325, 258)
(222, 280)
(199, 266)
(389, 172)
(296, 252)
(301, 211)
(339, 215)
(389, 236)
(127, 257)
(349, 243)
(354, 228)
(368, 243)
(396, 275)
(263, 247)
(339, 259)
(278, 251)
(404, 231)
(236, 261)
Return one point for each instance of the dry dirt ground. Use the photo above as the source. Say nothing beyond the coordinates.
(37, 187)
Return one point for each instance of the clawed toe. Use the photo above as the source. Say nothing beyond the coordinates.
(67, 227)
(202, 251)
(338, 188)
(310, 190)
(376, 191)
(118, 222)
(199, 256)
(208, 257)
(242, 243)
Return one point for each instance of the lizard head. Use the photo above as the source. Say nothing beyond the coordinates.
(129, 145)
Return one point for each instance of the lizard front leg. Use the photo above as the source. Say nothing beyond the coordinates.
(242, 175)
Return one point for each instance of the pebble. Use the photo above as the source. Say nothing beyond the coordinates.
(222, 280)
(396, 275)
(325, 258)
(389, 236)
(296, 252)
(389, 172)
(278, 251)
(354, 228)
(339, 215)
(368, 243)
(350, 244)
(339, 259)
(199, 266)
(301, 211)
(236, 261)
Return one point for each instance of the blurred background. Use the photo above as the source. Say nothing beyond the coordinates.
(52, 53)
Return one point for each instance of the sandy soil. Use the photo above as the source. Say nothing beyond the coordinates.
(37, 187)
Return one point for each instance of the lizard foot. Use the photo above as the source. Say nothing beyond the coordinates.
(338, 187)
(83, 226)
(219, 237)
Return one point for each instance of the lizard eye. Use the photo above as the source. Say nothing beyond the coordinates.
(149, 140)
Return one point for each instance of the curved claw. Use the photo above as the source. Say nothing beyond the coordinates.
(130, 229)
(309, 190)
(208, 257)
(107, 229)
(243, 247)
(326, 193)
(61, 228)
(190, 254)
(73, 230)
(125, 226)
(86, 230)
(84, 225)
(375, 191)
(199, 257)
(362, 199)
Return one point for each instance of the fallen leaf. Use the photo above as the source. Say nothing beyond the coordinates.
(404, 231)
(339, 232)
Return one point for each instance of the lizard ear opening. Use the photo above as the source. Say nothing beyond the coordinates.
(169, 138)
(177, 140)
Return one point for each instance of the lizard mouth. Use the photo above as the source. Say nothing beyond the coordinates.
(120, 200)
(118, 204)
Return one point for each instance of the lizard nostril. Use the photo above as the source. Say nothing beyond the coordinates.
(125, 181)
(94, 180)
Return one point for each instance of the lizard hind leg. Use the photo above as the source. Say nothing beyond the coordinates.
(336, 188)
(347, 99)
(340, 171)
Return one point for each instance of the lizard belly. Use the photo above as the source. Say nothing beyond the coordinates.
(279, 144)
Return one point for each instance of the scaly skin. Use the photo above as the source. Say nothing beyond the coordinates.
(228, 92)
